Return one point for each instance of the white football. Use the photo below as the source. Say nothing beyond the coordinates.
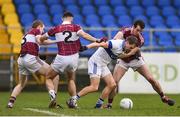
(126, 103)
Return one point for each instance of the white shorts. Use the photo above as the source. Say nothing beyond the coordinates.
(96, 70)
(65, 63)
(29, 64)
(134, 64)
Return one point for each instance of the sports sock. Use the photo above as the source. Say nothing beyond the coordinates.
(100, 101)
(77, 97)
(161, 94)
(74, 97)
(12, 99)
(110, 101)
(52, 94)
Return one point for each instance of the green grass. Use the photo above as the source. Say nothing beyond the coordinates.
(144, 104)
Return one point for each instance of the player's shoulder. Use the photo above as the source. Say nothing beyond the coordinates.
(73, 26)
(55, 27)
(34, 31)
(125, 28)
(76, 25)
(116, 41)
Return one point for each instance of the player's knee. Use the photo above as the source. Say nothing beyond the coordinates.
(116, 82)
(94, 88)
(21, 85)
(49, 76)
(113, 85)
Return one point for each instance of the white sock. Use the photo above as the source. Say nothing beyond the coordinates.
(100, 101)
(74, 97)
(52, 94)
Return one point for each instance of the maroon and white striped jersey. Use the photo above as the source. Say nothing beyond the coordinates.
(67, 38)
(29, 44)
(128, 32)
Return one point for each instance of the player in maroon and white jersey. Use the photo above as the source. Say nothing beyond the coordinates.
(28, 61)
(135, 62)
(67, 36)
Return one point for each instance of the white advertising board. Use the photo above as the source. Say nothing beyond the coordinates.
(165, 68)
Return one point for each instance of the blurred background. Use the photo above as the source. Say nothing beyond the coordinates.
(99, 18)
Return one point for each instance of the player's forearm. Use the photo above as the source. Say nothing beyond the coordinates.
(134, 51)
(40, 39)
(119, 35)
(47, 42)
(95, 45)
(89, 37)
(43, 38)
(124, 55)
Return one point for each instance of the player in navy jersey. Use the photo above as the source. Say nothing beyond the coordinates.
(28, 61)
(67, 36)
(135, 62)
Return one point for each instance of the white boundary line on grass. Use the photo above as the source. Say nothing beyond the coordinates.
(42, 111)
(57, 114)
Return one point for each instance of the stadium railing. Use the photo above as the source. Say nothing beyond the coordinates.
(11, 56)
(152, 40)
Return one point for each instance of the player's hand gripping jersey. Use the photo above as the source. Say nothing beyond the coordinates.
(126, 33)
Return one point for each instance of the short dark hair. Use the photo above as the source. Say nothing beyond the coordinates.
(132, 40)
(37, 23)
(67, 14)
(140, 23)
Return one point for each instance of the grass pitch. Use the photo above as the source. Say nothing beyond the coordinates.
(35, 103)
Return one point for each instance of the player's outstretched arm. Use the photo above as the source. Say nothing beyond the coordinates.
(124, 55)
(119, 35)
(48, 42)
(43, 40)
(95, 45)
(132, 52)
(102, 42)
(135, 50)
(87, 36)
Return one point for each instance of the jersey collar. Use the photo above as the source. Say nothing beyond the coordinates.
(66, 22)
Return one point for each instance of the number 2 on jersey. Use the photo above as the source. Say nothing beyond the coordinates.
(69, 35)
